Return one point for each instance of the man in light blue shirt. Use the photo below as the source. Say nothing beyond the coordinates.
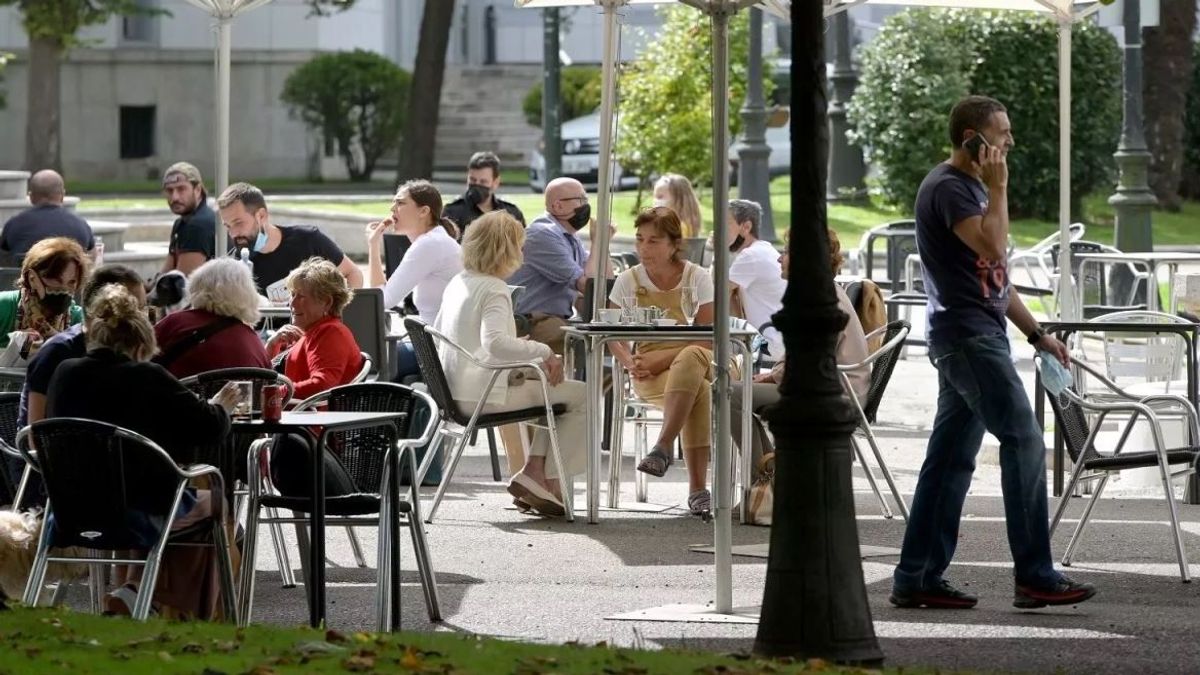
(556, 266)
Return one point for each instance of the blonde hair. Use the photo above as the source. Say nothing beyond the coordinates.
(322, 279)
(682, 199)
(492, 245)
(115, 320)
(225, 287)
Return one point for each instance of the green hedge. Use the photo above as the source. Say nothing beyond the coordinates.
(923, 61)
(1191, 126)
(579, 89)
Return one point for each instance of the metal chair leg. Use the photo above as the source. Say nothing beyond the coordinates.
(1066, 497)
(887, 473)
(286, 578)
(435, 446)
(96, 585)
(862, 461)
(356, 547)
(447, 475)
(1184, 573)
(225, 562)
(491, 439)
(425, 566)
(1083, 521)
(383, 567)
(60, 593)
(249, 552)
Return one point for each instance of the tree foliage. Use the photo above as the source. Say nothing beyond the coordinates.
(665, 110)
(1191, 158)
(579, 88)
(358, 100)
(923, 61)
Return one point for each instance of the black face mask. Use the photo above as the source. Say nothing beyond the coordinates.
(476, 194)
(737, 244)
(55, 303)
(582, 215)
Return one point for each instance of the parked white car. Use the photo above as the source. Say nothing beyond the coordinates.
(581, 159)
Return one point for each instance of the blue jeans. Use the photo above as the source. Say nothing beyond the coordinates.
(978, 389)
(406, 362)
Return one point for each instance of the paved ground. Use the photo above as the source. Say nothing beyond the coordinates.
(504, 574)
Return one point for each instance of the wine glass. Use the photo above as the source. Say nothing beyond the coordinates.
(689, 303)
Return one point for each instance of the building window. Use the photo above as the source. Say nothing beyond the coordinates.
(139, 28)
(137, 131)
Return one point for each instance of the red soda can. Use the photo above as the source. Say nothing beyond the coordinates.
(272, 402)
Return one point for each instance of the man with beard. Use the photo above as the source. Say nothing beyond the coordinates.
(274, 251)
(193, 232)
(483, 182)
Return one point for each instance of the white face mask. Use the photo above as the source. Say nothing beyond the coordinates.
(661, 202)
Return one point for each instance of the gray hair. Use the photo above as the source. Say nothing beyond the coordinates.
(745, 210)
(224, 287)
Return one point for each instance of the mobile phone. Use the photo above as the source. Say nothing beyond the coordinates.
(974, 143)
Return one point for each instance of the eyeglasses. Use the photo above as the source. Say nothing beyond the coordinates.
(582, 199)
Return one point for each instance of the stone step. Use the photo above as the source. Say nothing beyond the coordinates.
(13, 184)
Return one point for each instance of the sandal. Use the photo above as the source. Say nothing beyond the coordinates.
(655, 463)
(700, 503)
(522, 505)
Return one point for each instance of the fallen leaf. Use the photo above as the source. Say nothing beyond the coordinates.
(359, 663)
(192, 648)
(411, 659)
(165, 657)
(318, 648)
(334, 636)
(225, 647)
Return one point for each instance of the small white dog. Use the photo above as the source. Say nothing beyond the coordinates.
(19, 535)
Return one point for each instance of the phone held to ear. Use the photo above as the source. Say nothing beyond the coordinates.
(973, 144)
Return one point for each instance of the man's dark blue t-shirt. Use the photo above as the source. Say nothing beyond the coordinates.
(968, 294)
(69, 344)
(29, 227)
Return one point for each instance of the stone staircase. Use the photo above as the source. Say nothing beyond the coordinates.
(120, 244)
(481, 110)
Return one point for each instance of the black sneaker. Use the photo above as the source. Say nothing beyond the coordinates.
(942, 596)
(1065, 592)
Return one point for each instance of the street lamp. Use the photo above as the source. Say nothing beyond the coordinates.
(754, 179)
(1133, 200)
(846, 168)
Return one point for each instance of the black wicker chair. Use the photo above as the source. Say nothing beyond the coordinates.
(371, 457)
(450, 413)
(882, 363)
(14, 472)
(95, 475)
(1071, 413)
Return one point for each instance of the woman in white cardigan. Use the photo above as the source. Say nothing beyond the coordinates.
(477, 314)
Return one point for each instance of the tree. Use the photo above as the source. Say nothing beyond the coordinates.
(4, 59)
(52, 27)
(356, 100)
(420, 133)
(1168, 72)
(1191, 161)
(665, 120)
(814, 601)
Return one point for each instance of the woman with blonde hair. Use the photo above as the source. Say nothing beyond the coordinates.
(675, 376)
(116, 383)
(429, 264)
(217, 331)
(675, 192)
(51, 273)
(477, 314)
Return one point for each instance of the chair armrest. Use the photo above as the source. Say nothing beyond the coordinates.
(895, 342)
(430, 427)
(196, 470)
(478, 363)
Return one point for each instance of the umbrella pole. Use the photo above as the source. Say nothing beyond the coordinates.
(722, 453)
(224, 37)
(1067, 310)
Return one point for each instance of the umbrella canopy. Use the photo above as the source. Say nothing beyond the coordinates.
(224, 11)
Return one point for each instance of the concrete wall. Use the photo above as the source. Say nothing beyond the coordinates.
(97, 82)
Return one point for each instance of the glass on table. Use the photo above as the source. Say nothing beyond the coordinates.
(244, 405)
(689, 303)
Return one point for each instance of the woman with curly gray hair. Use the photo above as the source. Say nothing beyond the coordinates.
(218, 330)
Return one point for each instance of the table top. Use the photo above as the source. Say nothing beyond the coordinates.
(642, 332)
(316, 418)
(1141, 256)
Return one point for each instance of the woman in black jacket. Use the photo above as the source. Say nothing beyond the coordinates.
(116, 383)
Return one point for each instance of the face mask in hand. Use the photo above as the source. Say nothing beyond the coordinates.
(55, 303)
(1055, 378)
(737, 244)
(476, 194)
(582, 215)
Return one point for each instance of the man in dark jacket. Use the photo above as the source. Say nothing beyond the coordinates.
(483, 182)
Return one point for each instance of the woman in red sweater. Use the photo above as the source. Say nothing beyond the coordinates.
(321, 354)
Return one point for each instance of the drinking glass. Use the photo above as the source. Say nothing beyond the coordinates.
(245, 398)
(688, 303)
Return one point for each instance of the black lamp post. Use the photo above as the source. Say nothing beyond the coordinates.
(754, 179)
(1133, 200)
(815, 601)
(846, 168)
(551, 105)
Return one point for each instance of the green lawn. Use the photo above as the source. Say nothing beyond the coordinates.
(56, 641)
(850, 222)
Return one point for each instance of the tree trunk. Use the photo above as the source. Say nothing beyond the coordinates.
(420, 130)
(1168, 73)
(814, 600)
(42, 128)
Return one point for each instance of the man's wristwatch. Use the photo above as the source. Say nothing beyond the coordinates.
(1036, 336)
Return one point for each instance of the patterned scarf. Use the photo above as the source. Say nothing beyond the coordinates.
(30, 317)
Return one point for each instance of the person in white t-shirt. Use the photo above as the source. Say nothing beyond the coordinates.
(433, 259)
(675, 376)
(755, 268)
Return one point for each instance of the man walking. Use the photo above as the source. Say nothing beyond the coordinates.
(193, 232)
(483, 182)
(962, 236)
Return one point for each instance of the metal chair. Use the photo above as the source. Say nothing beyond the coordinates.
(371, 457)
(14, 490)
(1071, 415)
(1140, 356)
(364, 370)
(1036, 262)
(367, 320)
(695, 248)
(95, 475)
(230, 458)
(881, 362)
(451, 415)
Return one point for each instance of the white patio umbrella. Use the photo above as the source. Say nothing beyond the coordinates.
(224, 11)
(1066, 13)
(720, 11)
